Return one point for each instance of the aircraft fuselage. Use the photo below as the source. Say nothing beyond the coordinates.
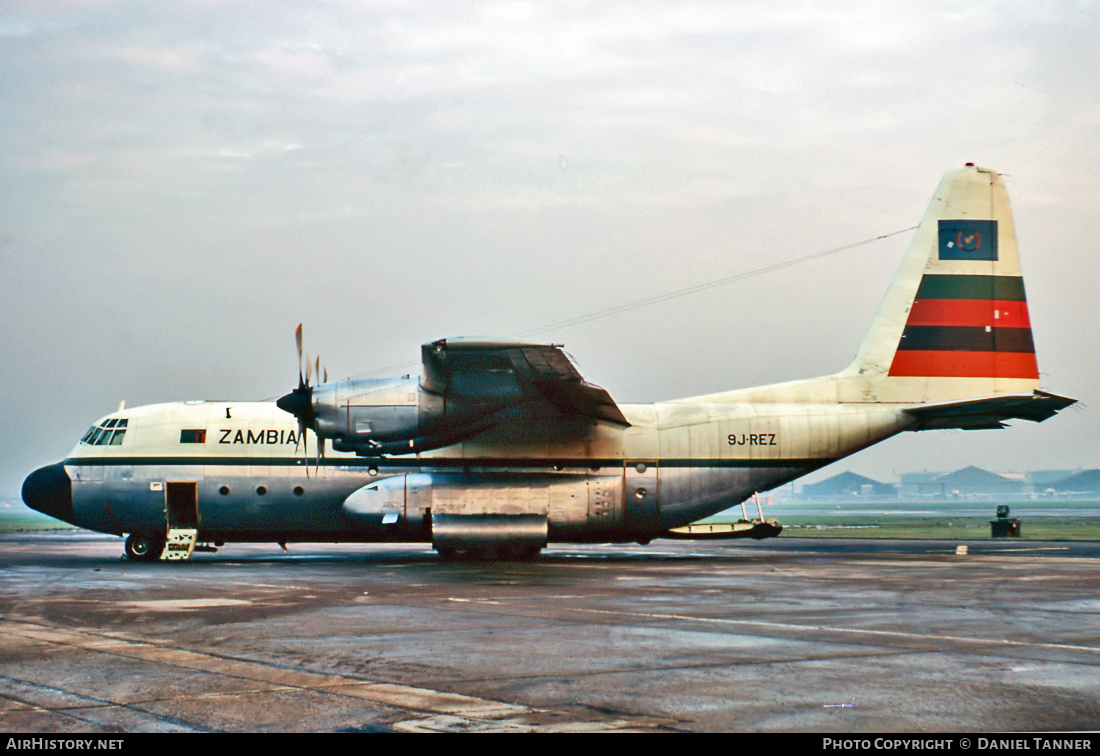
(503, 446)
(241, 477)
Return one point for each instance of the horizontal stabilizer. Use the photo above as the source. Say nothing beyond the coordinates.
(990, 412)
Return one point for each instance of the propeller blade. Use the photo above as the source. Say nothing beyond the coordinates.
(305, 447)
(298, 340)
(309, 371)
(317, 369)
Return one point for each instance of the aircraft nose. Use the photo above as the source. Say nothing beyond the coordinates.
(49, 490)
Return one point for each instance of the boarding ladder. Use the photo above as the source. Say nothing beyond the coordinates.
(180, 544)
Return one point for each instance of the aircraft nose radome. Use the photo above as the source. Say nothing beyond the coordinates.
(49, 490)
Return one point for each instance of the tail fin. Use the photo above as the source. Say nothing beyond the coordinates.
(952, 337)
(954, 324)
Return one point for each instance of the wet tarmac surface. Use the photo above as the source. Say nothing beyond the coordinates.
(674, 636)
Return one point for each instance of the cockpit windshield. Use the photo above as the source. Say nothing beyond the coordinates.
(106, 433)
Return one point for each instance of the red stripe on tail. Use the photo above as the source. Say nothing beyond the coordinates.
(969, 312)
(965, 364)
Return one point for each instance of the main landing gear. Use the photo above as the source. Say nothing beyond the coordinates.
(500, 554)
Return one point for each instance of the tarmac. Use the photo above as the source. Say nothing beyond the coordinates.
(716, 636)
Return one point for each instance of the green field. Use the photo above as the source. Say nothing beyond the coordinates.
(18, 518)
(1040, 520)
(959, 528)
(32, 524)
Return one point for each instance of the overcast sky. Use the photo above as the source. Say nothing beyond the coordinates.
(182, 183)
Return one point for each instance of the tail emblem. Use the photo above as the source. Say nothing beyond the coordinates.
(968, 240)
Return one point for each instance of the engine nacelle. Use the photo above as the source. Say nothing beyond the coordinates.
(395, 415)
(380, 409)
(469, 386)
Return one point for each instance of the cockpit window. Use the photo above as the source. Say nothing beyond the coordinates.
(107, 433)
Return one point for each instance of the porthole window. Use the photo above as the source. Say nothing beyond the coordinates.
(640, 493)
(298, 490)
(261, 490)
(224, 490)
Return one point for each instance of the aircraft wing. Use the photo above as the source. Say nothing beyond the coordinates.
(990, 412)
(517, 372)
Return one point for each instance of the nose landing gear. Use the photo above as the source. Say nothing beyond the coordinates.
(142, 547)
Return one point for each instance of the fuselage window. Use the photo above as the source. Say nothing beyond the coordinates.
(108, 433)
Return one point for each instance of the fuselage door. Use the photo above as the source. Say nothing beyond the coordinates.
(182, 505)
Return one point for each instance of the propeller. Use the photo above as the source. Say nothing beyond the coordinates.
(299, 402)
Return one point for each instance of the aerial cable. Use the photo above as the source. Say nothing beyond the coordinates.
(704, 286)
(639, 303)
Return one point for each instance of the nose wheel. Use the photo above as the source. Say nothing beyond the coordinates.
(141, 547)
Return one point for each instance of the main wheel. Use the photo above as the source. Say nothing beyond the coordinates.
(519, 553)
(464, 555)
(143, 548)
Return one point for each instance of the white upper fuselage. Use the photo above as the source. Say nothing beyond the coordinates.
(706, 432)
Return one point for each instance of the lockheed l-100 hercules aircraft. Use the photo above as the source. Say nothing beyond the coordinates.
(502, 447)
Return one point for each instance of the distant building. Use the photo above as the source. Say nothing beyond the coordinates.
(972, 481)
(1042, 480)
(849, 485)
(966, 483)
(1084, 483)
(914, 485)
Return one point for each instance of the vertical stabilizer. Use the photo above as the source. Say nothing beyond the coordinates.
(954, 323)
